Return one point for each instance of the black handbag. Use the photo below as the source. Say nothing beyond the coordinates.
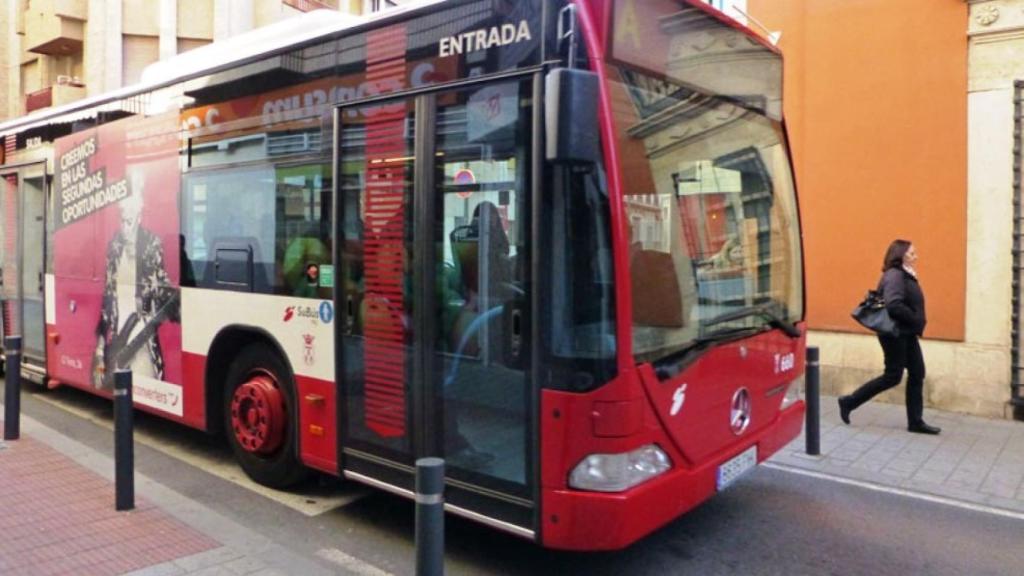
(871, 314)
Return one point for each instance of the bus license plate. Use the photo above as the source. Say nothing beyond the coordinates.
(731, 471)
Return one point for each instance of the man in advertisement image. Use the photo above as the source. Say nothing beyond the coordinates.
(138, 295)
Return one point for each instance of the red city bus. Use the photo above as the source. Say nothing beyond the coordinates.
(555, 243)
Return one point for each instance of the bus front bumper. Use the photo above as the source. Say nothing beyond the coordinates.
(578, 520)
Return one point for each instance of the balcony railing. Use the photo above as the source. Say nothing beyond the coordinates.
(56, 95)
(39, 99)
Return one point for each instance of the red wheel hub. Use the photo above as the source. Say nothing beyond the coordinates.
(258, 415)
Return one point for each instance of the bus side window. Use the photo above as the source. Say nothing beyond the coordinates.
(303, 234)
(230, 210)
(278, 215)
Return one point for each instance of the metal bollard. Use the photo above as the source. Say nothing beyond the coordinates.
(429, 517)
(813, 401)
(124, 443)
(12, 389)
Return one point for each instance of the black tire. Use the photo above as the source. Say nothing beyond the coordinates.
(282, 467)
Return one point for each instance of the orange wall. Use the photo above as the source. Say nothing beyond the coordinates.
(876, 103)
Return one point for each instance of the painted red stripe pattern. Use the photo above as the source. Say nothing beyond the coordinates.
(10, 240)
(385, 327)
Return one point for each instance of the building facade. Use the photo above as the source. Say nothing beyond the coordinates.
(902, 120)
(995, 83)
(53, 52)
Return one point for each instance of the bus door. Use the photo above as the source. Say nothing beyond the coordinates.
(434, 294)
(25, 258)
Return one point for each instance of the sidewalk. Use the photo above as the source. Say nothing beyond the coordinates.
(57, 512)
(976, 461)
(57, 517)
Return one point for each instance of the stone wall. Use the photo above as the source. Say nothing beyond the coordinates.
(960, 376)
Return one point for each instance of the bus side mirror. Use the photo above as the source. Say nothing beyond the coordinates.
(570, 117)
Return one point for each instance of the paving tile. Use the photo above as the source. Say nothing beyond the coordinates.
(864, 475)
(960, 484)
(946, 490)
(969, 474)
(929, 476)
(214, 557)
(268, 572)
(165, 569)
(857, 443)
(896, 472)
(1004, 476)
(220, 570)
(938, 468)
(870, 464)
(246, 565)
(1012, 504)
(1001, 490)
(897, 466)
(59, 519)
(916, 457)
(974, 459)
(846, 455)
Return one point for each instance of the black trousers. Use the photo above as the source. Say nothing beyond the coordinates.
(903, 352)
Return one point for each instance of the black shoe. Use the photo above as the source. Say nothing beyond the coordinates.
(922, 428)
(845, 408)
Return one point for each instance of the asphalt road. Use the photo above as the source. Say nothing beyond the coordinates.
(771, 522)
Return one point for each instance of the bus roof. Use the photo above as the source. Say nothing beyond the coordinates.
(263, 40)
(247, 46)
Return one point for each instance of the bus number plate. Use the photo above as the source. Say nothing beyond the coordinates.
(731, 471)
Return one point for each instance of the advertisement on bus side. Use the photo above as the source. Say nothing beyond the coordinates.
(116, 259)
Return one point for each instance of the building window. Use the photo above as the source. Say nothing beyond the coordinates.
(735, 8)
(378, 5)
(138, 52)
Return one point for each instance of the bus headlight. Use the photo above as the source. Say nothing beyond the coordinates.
(618, 472)
(794, 392)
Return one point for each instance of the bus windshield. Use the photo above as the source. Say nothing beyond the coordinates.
(708, 191)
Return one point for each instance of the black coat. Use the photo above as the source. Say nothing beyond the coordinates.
(904, 300)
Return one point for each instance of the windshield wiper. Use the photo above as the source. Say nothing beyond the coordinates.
(765, 311)
(728, 334)
(672, 364)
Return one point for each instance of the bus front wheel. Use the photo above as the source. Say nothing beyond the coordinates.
(259, 417)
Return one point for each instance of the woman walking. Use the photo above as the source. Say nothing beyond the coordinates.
(904, 300)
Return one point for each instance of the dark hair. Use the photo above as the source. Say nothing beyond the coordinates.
(894, 255)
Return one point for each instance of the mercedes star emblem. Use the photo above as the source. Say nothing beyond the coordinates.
(739, 416)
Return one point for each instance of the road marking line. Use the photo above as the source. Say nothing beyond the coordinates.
(351, 563)
(899, 491)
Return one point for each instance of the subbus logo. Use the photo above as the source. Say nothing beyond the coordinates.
(308, 312)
